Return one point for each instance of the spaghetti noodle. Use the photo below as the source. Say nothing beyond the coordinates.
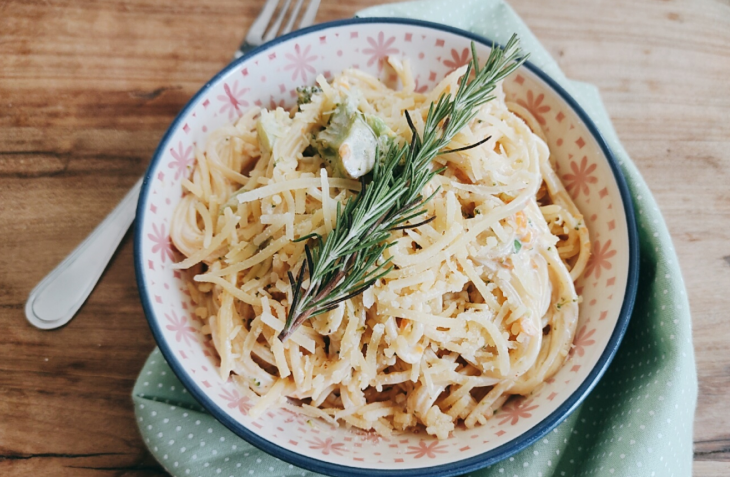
(481, 304)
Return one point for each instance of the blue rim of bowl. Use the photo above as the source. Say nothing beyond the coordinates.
(445, 470)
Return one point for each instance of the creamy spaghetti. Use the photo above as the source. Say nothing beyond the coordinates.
(481, 304)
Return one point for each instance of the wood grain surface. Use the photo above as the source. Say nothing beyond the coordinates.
(87, 89)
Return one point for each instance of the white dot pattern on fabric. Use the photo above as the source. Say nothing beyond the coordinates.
(647, 395)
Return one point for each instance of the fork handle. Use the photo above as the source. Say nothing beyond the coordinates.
(57, 298)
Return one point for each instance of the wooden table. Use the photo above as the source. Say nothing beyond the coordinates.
(87, 89)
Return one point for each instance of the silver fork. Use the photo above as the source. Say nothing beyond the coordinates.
(262, 30)
(57, 298)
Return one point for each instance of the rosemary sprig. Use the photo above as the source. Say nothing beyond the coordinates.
(344, 264)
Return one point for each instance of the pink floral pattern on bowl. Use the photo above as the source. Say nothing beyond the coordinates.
(270, 78)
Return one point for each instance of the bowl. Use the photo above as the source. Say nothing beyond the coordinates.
(268, 77)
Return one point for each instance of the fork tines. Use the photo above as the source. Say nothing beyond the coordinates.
(264, 29)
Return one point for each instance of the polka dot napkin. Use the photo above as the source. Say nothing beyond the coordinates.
(638, 420)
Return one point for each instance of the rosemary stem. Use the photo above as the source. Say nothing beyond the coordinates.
(344, 263)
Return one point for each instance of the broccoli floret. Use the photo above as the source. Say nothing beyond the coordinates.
(304, 94)
(348, 143)
(351, 139)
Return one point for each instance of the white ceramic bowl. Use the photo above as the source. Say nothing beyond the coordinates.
(268, 76)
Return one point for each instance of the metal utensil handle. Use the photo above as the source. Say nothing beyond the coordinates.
(56, 299)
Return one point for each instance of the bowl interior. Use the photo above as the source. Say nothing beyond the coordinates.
(268, 78)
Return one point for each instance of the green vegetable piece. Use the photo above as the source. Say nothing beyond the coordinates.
(271, 126)
(385, 135)
(348, 143)
(304, 94)
(357, 150)
(377, 124)
(518, 246)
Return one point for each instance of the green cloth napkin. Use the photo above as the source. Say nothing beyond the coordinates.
(638, 420)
